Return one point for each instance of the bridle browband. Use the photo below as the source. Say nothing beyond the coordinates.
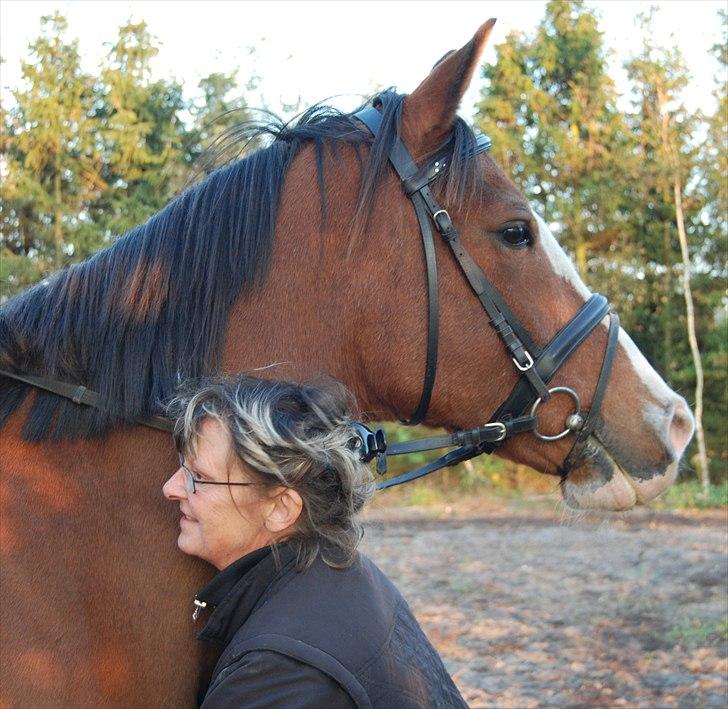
(536, 366)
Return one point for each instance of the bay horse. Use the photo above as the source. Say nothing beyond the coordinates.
(303, 253)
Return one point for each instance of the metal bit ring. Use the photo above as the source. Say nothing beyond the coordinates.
(574, 421)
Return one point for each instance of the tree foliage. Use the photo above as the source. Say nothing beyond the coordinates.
(51, 158)
(550, 107)
(87, 158)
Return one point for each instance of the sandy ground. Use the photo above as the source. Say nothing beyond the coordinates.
(531, 606)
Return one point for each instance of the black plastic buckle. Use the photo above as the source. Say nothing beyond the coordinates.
(373, 444)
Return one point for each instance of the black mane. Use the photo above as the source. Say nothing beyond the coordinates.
(151, 310)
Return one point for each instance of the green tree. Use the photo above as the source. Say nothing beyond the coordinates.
(668, 182)
(145, 143)
(51, 158)
(219, 111)
(710, 245)
(216, 112)
(551, 108)
(662, 150)
(216, 115)
(714, 163)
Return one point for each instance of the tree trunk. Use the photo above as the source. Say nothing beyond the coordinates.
(666, 310)
(702, 454)
(57, 217)
(673, 160)
(580, 256)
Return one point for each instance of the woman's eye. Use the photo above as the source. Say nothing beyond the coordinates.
(517, 235)
(200, 476)
(192, 471)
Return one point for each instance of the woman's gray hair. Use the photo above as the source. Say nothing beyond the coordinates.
(297, 435)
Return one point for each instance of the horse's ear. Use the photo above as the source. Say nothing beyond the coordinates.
(429, 111)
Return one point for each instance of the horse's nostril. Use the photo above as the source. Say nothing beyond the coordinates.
(682, 426)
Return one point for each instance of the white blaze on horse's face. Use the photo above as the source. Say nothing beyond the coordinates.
(614, 475)
(560, 262)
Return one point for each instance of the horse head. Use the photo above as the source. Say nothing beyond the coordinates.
(378, 329)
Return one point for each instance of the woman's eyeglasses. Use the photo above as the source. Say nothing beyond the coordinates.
(191, 482)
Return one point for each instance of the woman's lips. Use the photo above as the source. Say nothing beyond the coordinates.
(185, 518)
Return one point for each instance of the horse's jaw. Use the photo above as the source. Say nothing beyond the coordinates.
(600, 483)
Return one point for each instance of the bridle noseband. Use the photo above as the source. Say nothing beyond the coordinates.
(536, 366)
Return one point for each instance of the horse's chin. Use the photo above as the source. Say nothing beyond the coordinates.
(600, 483)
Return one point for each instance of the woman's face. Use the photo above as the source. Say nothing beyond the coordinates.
(211, 526)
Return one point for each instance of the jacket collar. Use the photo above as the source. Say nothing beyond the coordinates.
(232, 594)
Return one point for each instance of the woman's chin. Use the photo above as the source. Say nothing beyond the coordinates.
(186, 544)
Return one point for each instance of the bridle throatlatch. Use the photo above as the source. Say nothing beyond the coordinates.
(536, 366)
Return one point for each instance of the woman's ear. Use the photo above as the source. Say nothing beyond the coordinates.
(284, 511)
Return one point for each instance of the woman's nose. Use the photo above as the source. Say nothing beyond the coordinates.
(174, 488)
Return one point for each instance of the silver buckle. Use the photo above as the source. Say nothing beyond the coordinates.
(529, 364)
(499, 425)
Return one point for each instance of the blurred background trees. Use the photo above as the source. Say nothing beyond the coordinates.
(84, 158)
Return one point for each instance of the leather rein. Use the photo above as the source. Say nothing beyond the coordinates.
(536, 366)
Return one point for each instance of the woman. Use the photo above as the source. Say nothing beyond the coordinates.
(268, 487)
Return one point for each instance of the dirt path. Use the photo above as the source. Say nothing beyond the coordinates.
(529, 610)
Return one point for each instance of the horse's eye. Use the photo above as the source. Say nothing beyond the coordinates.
(517, 235)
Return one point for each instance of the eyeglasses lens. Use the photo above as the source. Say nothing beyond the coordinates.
(189, 479)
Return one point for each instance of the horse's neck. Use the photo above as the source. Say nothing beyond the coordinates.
(294, 325)
(300, 317)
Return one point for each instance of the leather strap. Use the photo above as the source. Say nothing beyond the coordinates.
(553, 357)
(491, 432)
(433, 314)
(405, 168)
(79, 394)
(427, 174)
(593, 415)
(492, 303)
(446, 461)
(470, 442)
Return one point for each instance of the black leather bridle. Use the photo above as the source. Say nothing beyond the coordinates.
(535, 365)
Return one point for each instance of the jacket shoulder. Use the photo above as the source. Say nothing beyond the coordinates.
(336, 620)
(306, 605)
